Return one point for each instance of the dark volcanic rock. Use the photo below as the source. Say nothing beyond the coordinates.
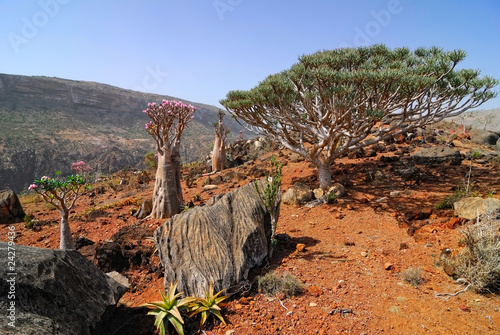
(10, 206)
(438, 155)
(57, 292)
(217, 243)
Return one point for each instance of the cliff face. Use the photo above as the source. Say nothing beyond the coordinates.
(48, 123)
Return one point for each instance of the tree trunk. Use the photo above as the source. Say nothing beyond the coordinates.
(325, 175)
(218, 155)
(66, 239)
(167, 195)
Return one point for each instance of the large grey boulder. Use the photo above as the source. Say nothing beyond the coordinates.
(472, 207)
(10, 207)
(219, 242)
(438, 155)
(482, 136)
(56, 292)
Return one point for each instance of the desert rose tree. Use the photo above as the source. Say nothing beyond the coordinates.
(335, 101)
(62, 194)
(219, 150)
(168, 121)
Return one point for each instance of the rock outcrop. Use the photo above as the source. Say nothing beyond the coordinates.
(472, 207)
(482, 136)
(219, 242)
(56, 292)
(10, 207)
(438, 155)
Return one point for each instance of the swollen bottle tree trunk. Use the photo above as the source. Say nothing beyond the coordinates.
(66, 239)
(167, 200)
(219, 151)
(168, 121)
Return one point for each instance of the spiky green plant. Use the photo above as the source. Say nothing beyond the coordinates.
(169, 309)
(210, 305)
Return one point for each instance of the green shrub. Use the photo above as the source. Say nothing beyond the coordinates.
(29, 221)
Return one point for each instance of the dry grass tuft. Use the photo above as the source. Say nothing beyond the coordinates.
(479, 261)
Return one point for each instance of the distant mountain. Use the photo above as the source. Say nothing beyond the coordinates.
(48, 123)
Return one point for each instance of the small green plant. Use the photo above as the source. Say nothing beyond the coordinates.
(169, 309)
(211, 304)
(270, 193)
(272, 284)
(448, 201)
(29, 221)
(412, 275)
(331, 197)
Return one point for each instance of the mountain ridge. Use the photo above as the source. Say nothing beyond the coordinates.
(49, 122)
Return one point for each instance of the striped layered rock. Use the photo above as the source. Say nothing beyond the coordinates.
(218, 243)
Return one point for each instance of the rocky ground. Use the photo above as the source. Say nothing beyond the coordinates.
(355, 251)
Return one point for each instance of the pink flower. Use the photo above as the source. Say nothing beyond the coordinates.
(32, 186)
(44, 178)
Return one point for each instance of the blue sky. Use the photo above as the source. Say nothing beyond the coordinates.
(199, 50)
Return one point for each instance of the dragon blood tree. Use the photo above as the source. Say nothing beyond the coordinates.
(62, 194)
(219, 151)
(335, 101)
(168, 121)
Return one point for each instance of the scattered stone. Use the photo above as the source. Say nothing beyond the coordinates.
(349, 242)
(364, 253)
(145, 210)
(297, 194)
(295, 158)
(300, 247)
(318, 193)
(313, 304)
(337, 189)
(10, 207)
(388, 266)
(464, 308)
(230, 332)
(403, 246)
(210, 187)
(395, 193)
(81, 241)
(314, 291)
